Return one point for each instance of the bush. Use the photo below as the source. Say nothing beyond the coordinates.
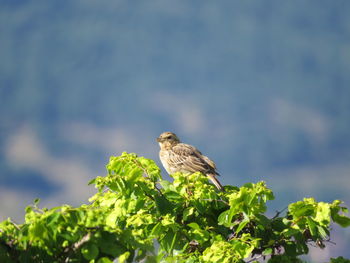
(136, 216)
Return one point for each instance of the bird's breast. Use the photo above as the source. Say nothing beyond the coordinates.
(164, 158)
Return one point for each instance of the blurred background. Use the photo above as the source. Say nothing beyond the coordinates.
(261, 87)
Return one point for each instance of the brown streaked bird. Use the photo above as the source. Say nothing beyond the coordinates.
(180, 157)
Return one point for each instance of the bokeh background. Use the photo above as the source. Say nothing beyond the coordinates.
(262, 87)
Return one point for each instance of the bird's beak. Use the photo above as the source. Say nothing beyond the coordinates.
(159, 139)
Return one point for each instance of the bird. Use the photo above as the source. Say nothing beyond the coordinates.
(181, 157)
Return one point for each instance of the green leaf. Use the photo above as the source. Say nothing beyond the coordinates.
(134, 174)
(187, 213)
(343, 221)
(165, 184)
(173, 241)
(168, 241)
(339, 260)
(290, 232)
(36, 201)
(290, 248)
(123, 258)
(242, 224)
(104, 260)
(89, 251)
(37, 231)
(223, 218)
(324, 233)
(194, 225)
(112, 218)
(164, 206)
(267, 251)
(156, 230)
(173, 196)
(108, 244)
(312, 226)
(262, 219)
(92, 181)
(301, 208)
(323, 213)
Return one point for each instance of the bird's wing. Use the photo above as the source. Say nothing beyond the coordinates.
(190, 159)
(208, 161)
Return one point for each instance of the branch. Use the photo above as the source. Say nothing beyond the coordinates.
(219, 200)
(279, 212)
(254, 259)
(77, 245)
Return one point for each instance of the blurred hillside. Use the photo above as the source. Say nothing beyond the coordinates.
(260, 87)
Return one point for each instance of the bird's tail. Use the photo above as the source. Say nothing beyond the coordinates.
(215, 181)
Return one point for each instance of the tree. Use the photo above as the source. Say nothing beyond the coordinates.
(136, 216)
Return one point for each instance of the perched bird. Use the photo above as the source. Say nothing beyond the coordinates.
(180, 157)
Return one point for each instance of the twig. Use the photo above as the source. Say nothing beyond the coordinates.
(331, 242)
(77, 245)
(255, 258)
(158, 190)
(279, 212)
(15, 225)
(147, 175)
(219, 200)
(81, 242)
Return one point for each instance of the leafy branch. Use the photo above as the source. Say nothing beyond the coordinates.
(137, 216)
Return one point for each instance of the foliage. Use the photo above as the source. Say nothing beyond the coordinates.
(135, 215)
(340, 260)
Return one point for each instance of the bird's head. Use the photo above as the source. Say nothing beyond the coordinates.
(168, 139)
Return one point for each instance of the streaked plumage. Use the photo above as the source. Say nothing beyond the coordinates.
(180, 157)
